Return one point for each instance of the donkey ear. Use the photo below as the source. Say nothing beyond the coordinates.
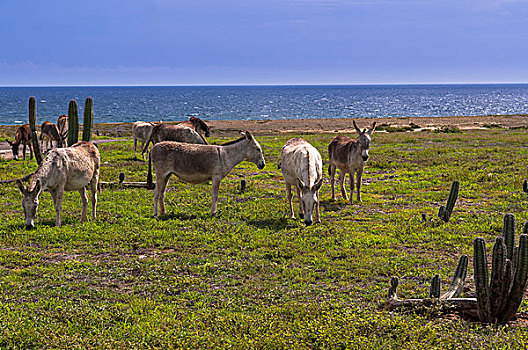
(371, 130)
(301, 185)
(318, 185)
(21, 187)
(38, 186)
(356, 127)
(248, 135)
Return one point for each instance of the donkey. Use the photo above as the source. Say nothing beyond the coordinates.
(62, 125)
(302, 166)
(141, 131)
(349, 156)
(198, 125)
(63, 169)
(196, 163)
(22, 136)
(50, 131)
(166, 132)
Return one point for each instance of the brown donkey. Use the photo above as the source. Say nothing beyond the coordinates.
(50, 131)
(62, 125)
(198, 125)
(199, 163)
(349, 156)
(167, 132)
(22, 136)
(63, 169)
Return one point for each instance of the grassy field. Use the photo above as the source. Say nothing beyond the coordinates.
(251, 277)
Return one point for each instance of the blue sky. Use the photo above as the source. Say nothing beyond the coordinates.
(204, 42)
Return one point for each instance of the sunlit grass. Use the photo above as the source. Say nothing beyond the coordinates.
(251, 277)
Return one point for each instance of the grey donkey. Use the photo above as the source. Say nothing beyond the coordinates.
(63, 169)
(196, 164)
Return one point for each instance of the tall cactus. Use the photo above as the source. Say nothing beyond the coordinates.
(499, 299)
(88, 119)
(445, 212)
(73, 123)
(33, 126)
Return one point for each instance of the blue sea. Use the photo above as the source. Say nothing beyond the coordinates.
(128, 104)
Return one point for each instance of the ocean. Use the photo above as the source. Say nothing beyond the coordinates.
(129, 104)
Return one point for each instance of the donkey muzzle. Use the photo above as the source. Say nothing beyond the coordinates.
(261, 165)
(365, 158)
(29, 227)
(308, 222)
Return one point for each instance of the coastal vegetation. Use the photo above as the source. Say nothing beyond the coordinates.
(251, 277)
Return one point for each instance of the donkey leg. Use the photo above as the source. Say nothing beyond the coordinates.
(135, 144)
(351, 187)
(84, 200)
(159, 194)
(24, 151)
(301, 211)
(289, 197)
(317, 217)
(30, 151)
(93, 189)
(332, 180)
(57, 202)
(342, 176)
(216, 187)
(358, 185)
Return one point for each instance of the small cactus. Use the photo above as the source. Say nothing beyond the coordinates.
(445, 213)
(73, 123)
(434, 291)
(88, 119)
(33, 126)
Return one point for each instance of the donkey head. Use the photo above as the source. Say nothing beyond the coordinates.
(200, 125)
(364, 140)
(30, 202)
(254, 152)
(309, 199)
(14, 148)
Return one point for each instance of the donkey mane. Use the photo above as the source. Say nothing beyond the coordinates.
(234, 141)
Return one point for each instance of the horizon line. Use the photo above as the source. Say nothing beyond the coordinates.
(267, 85)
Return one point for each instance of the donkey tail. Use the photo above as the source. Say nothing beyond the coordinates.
(149, 175)
(329, 170)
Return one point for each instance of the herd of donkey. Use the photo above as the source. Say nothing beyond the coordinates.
(182, 149)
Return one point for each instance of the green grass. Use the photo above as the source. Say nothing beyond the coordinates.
(251, 277)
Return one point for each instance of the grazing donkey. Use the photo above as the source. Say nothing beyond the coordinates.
(302, 168)
(63, 169)
(166, 132)
(199, 163)
(141, 131)
(22, 136)
(50, 132)
(62, 125)
(349, 156)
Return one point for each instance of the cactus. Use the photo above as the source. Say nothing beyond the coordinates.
(457, 283)
(33, 126)
(445, 213)
(88, 119)
(434, 292)
(499, 300)
(73, 123)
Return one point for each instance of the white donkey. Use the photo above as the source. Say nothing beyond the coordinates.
(63, 169)
(197, 163)
(349, 156)
(302, 167)
(141, 131)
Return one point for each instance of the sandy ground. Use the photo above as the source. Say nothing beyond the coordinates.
(341, 125)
